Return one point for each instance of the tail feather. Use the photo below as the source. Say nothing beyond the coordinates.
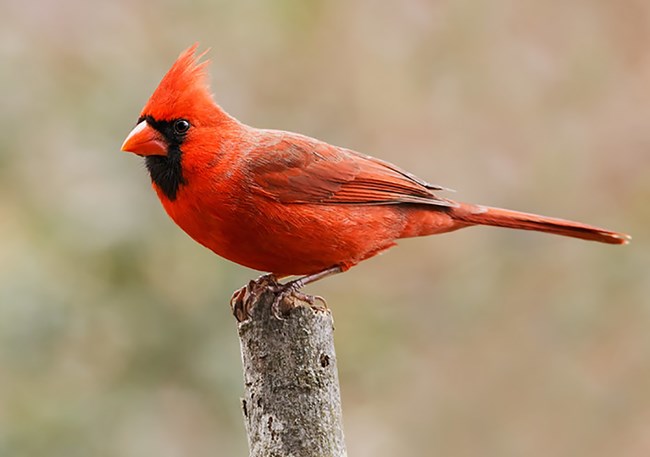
(497, 217)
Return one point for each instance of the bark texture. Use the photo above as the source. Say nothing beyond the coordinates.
(292, 403)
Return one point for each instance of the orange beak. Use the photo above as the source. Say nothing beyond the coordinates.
(144, 140)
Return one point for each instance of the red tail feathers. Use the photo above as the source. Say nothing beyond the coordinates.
(485, 215)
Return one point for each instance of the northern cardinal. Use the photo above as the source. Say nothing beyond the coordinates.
(287, 204)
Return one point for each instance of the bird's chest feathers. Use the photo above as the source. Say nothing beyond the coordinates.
(200, 207)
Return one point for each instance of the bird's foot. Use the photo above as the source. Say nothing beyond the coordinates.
(282, 302)
(243, 299)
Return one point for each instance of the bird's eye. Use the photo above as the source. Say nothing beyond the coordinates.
(181, 126)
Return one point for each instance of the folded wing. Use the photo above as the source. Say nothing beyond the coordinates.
(297, 169)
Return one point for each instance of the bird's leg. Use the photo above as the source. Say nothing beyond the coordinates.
(292, 288)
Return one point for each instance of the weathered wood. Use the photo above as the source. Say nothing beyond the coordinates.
(292, 403)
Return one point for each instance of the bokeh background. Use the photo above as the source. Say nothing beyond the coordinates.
(115, 332)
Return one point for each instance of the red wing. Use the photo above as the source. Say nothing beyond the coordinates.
(297, 169)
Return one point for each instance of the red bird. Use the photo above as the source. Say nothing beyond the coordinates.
(288, 204)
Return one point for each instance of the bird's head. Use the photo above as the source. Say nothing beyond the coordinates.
(181, 102)
(179, 126)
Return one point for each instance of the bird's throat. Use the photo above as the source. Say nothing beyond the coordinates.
(167, 172)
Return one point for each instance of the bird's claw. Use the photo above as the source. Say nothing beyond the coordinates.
(243, 299)
(292, 290)
(312, 299)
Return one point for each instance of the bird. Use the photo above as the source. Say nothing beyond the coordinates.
(287, 204)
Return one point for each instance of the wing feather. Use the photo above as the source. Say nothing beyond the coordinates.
(296, 169)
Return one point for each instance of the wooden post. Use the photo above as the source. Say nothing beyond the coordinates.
(292, 402)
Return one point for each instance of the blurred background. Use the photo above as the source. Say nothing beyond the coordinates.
(116, 337)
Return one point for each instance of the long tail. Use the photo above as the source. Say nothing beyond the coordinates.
(485, 215)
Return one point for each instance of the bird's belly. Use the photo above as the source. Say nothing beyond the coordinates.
(291, 239)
